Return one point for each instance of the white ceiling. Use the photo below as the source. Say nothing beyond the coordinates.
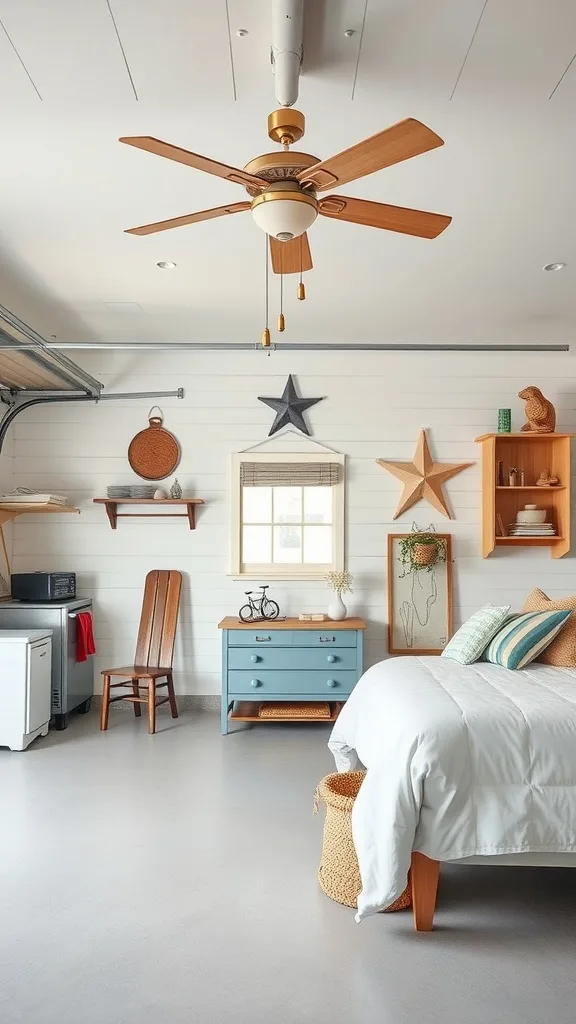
(76, 74)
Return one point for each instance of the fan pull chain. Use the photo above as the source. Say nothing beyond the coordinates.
(301, 293)
(281, 320)
(266, 331)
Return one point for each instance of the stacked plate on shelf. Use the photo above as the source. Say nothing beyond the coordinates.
(143, 491)
(532, 530)
(131, 491)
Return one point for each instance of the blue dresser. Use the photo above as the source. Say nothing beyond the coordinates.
(288, 660)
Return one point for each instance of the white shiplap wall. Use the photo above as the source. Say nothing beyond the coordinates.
(375, 405)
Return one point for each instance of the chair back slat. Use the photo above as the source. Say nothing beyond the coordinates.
(155, 645)
(170, 619)
(158, 620)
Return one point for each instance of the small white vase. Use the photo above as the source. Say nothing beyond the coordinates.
(337, 608)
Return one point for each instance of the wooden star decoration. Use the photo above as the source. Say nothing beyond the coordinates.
(423, 478)
(289, 408)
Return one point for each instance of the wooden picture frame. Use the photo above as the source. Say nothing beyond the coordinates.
(409, 619)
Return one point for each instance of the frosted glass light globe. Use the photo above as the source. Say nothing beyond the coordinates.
(284, 213)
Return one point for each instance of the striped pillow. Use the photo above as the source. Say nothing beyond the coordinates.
(470, 640)
(524, 637)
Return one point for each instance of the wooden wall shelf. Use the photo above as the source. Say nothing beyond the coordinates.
(532, 453)
(114, 515)
(11, 511)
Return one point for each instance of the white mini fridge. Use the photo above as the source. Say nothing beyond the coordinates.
(25, 685)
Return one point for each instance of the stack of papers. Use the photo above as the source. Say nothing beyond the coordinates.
(22, 497)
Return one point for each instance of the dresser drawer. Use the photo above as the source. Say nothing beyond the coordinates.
(258, 683)
(325, 638)
(296, 658)
(259, 638)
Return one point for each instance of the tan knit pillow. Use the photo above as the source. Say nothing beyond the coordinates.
(562, 651)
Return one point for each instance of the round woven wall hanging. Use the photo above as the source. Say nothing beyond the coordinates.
(154, 453)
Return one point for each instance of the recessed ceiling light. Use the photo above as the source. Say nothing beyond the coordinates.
(166, 265)
(554, 266)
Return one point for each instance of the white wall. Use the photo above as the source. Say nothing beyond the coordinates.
(375, 405)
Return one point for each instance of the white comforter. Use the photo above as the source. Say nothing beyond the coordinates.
(462, 761)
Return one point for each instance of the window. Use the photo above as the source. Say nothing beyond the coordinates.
(287, 515)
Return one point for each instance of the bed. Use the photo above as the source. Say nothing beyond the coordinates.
(465, 763)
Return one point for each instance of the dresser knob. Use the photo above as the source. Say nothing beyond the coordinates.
(331, 683)
(331, 658)
(255, 657)
(254, 682)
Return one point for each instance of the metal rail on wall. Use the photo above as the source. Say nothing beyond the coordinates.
(313, 346)
(30, 372)
(48, 398)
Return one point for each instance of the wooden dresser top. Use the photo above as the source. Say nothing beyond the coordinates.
(232, 622)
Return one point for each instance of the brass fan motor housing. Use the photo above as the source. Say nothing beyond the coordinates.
(276, 167)
(286, 125)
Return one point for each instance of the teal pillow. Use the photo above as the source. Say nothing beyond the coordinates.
(523, 638)
(471, 639)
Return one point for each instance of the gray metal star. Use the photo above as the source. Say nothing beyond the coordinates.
(289, 408)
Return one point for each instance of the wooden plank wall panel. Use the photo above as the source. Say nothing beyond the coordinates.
(375, 405)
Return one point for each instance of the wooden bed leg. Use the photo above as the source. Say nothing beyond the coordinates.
(424, 882)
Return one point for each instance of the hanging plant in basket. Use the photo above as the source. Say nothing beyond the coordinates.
(421, 550)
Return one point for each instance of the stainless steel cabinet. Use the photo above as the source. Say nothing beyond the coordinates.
(72, 681)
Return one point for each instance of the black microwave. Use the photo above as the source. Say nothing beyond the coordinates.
(43, 586)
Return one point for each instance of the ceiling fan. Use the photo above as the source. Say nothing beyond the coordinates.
(283, 186)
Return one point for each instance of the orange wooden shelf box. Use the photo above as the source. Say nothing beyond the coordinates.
(534, 454)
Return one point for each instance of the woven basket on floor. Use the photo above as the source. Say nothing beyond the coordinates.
(338, 874)
(318, 710)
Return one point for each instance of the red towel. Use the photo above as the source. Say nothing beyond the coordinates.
(85, 638)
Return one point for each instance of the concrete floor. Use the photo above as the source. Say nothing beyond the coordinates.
(172, 879)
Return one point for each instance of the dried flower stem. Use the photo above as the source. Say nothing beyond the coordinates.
(340, 581)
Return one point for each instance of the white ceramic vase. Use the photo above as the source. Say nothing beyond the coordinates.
(337, 608)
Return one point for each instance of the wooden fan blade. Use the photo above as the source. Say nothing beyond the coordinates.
(190, 218)
(380, 215)
(201, 163)
(399, 142)
(290, 257)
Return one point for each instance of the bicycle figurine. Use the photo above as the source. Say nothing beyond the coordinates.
(259, 608)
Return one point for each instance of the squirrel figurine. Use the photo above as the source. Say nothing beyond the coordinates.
(540, 413)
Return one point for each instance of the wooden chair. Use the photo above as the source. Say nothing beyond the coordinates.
(154, 649)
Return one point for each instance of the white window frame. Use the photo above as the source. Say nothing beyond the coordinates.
(269, 571)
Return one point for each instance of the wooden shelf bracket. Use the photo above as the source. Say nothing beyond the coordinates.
(111, 505)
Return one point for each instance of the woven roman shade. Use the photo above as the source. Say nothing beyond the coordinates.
(289, 474)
